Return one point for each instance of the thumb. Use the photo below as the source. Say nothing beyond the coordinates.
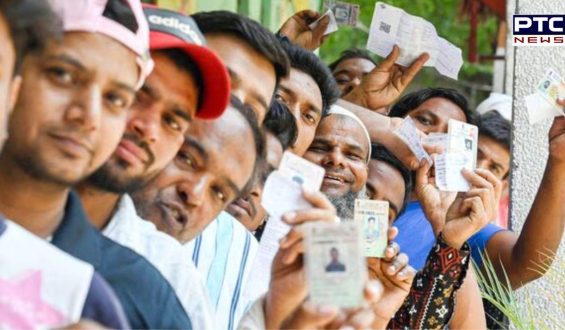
(319, 30)
(422, 173)
(310, 316)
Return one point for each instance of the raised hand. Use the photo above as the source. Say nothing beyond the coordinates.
(296, 29)
(396, 277)
(399, 148)
(384, 84)
(435, 203)
(557, 138)
(470, 211)
(287, 289)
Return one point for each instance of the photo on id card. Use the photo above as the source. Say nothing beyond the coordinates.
(336, 269)
(463, 139)
(372, 215)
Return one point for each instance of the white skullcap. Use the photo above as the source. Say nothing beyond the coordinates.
(499, 102)
(337, 110)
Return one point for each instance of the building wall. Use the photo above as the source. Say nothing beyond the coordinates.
(528, 64)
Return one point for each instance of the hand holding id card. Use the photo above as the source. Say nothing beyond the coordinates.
(461, 153)
(336, 270)
(283, 192)
(372, 216)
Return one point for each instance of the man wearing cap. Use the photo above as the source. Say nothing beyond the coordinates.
(70, 288)
(188, 81)
(68, 119)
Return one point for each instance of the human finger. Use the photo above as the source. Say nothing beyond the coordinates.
(414, 68)
(391, 251)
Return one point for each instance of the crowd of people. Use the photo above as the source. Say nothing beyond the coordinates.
(135, 143)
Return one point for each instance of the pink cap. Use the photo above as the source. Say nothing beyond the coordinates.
(86, 15)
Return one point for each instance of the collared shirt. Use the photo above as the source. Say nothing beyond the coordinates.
(43, 287)
(224, 254)
(167, 255)
(148, 299)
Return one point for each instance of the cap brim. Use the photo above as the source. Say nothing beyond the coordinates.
(216, 90)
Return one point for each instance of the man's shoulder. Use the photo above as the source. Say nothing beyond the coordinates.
(130, 230)
(132, 276)
(129, 261)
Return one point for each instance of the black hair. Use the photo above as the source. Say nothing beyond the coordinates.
(183, 62)
(120, 12)
(282, 124)
(31, 24)
(258, 37)
(496, 127)
(380, 153)
(413, 100)
(352, 53)
(307, 62)
(258, 138)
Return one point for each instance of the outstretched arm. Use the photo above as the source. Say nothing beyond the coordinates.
(543, 228)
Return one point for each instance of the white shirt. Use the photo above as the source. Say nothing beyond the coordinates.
(254, 318)
(224, 253)
(40, 286)
(167, 255)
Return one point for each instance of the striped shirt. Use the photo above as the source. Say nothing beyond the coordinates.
(223, 254)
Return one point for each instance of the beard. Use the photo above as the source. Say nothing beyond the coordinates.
(345, 204)
(105, 179)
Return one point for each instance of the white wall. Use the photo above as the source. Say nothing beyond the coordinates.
(530, 142)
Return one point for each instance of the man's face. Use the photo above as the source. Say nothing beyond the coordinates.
(341, 148)
(386, 183)
(213, 165)
(252, 75)
(493, 156)
(434, 114)
(7, 62)
(72, 109)
(157, 122)
(334, 254)
(248, 209)
(304, 99)
(349, 73)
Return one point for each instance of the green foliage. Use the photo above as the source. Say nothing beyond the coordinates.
(450, 24)
(521, 312)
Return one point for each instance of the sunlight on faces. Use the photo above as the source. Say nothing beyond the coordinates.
(349, 73)
(252, 75)
(72, 109)
(213, 165)
(493, 156)
(303, 98)
(157, 121)
(248, 209)
(386, 183)
(434, 114)
(7, 62)
(341, 148)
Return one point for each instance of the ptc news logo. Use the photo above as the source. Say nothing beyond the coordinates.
(538, 30)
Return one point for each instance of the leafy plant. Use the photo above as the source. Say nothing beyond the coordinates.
(520, 309)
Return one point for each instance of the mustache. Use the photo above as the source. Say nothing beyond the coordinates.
(141, 144)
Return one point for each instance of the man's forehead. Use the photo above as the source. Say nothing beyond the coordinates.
(76, 48)
(343, 130)
(356, 64)
(388, 177)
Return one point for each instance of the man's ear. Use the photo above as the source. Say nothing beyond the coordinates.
(505, 184)
(14, 92)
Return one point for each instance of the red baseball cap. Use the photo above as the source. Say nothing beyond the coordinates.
(169, 29)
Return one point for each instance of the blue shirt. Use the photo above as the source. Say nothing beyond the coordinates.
(416, 236)
(147, 297)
